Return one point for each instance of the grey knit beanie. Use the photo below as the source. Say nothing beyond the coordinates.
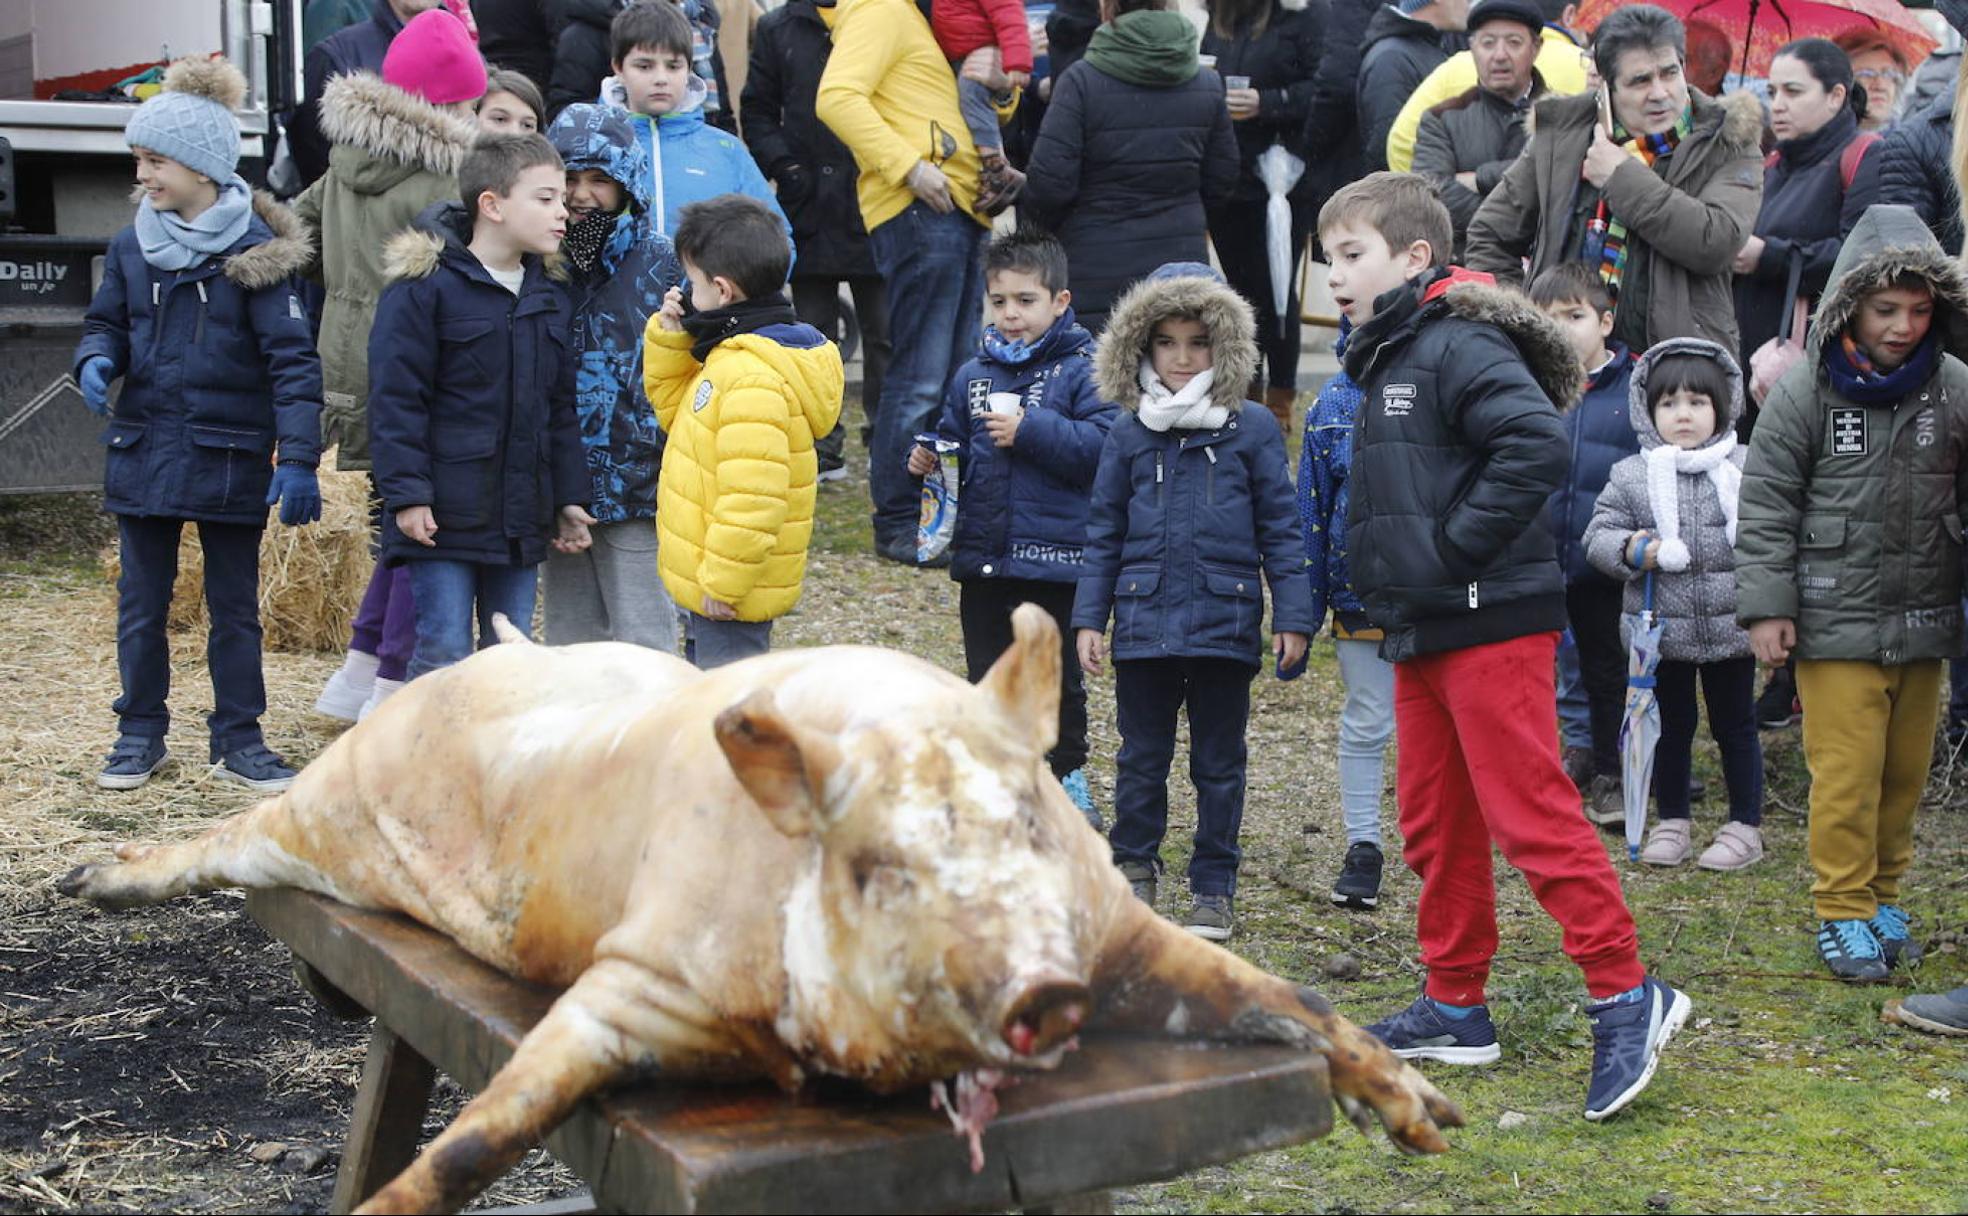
(191, 120)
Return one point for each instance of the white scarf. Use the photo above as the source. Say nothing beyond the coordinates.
(1665, 464)
(1189, 409)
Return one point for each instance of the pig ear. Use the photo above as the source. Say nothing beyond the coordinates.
(1025, 679)
(782, 766)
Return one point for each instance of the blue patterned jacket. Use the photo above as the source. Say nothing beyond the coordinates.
(611, 303)
(1323, 466)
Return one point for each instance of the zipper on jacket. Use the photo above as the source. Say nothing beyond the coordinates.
(198, 327)
(1472, 596)
(1209, 478)
(1158, 479)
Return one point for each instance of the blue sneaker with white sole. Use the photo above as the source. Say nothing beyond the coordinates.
(1423, 1032)
(1627, 1037)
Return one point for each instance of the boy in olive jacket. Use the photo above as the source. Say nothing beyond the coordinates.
(1848, 555)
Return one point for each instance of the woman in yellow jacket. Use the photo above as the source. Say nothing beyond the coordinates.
(741, 387)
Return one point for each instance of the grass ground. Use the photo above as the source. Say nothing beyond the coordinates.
(1785, 1092)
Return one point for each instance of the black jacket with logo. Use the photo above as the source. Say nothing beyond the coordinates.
(1458, 447)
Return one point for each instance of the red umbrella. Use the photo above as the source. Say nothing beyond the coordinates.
(1762, 27)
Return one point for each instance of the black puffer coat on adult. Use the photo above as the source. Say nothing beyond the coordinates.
(1806, 211)
(1280, 60)
(1332, 130)
(1915, 170)
(1398, 53)
(810, 167)
(1458, 447)
(1124, 168)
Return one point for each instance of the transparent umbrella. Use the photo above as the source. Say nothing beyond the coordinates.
(1279, 170)
(1640, 729)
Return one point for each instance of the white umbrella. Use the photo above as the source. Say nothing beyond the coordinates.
(1279, 170)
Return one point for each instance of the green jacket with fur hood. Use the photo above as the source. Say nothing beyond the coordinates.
(1851, 515)
(394, 154)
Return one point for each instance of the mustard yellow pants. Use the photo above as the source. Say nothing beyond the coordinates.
(1868, 739)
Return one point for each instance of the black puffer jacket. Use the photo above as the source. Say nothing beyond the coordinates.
(1280, 61)
(810, 167)
(1332, 130)
(1476, 132)
(1806, 211)
(1914, 170)
(1122, 173)
(517, 34)
(1458, 447)
(1399, 53)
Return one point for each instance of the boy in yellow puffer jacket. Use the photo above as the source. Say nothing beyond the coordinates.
(741, 387)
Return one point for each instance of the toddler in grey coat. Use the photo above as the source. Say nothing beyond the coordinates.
(1668, 518)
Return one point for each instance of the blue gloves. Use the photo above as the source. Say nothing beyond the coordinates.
(94, 380)
(298, 493)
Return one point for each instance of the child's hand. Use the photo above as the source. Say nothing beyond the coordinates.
(1643, 550)
(670, 316)
(1772, 639)
(418, 524)
(718, 610)
(1290, 649)
(922, 461)
(97, 371)
(1018, 80)
(572, 528)
(1091, 648)
(1003, 427)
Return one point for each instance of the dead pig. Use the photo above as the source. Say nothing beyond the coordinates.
(841, 861)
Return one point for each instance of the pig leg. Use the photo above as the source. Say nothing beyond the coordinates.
(617, 1018)
(1157, 978)
(255, 848)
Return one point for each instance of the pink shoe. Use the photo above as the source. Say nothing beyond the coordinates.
(1737, 846)
(1668, 844)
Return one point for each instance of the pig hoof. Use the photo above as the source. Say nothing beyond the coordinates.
(75, 883)
(96, 884)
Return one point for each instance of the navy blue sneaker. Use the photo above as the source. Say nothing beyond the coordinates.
(1851, 950)
(1423, 1032)
(131, 762)
(1627, 1037)
(256, 767)
(1891, 926)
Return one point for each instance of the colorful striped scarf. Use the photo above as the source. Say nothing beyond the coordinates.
(1605, 233)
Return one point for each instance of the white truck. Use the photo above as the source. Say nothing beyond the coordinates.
(65, 183)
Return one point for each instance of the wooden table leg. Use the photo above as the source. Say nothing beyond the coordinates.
(389, 1118)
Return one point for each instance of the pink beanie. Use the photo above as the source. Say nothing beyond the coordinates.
(433, 57)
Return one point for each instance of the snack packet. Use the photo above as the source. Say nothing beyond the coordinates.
(937, 525)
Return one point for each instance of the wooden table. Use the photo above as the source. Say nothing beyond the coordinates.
(1118, 1111)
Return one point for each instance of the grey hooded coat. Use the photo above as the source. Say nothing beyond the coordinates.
(1696, 606)
(1851, 513)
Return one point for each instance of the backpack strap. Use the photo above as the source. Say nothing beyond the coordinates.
(1854, 153)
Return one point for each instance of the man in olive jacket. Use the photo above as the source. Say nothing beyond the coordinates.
(1662, 203)
(1849, 559)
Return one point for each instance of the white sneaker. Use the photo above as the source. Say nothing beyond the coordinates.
(349, 688)
(383, 691)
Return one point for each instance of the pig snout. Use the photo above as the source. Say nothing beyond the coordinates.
(1045, 1013)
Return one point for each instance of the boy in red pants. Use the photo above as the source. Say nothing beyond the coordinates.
(1458, 447)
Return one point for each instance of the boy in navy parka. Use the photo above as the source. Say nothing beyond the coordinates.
(200, 313)
(1192, 505)
(477, 454)
(1031, 426)
(618, 267)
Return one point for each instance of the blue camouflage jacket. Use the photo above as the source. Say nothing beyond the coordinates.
(611, 302)
(1323, 466)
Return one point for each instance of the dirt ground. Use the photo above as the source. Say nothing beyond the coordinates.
(165, 1059)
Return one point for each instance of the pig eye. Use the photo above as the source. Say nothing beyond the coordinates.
(879, 870)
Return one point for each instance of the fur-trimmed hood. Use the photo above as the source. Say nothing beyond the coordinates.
(1228, 317)
(386, 124)
(1538, 339)
(415, 252)
(1891, 241)
(1641, 414)
(286, 252)
(1738, 116)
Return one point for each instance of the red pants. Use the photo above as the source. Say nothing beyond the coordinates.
(1479, 764)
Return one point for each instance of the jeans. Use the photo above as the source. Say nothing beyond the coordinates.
(1147, 694)
(817, 301)
(974, 100)
(934, 268)
(1729, 688)
(1574, 718)
(708, 643)
(148, 550)
(1366, 723)
(984, 605)
(450, 595)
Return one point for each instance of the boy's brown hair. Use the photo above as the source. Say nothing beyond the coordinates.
(654, 25)
(1401, 207)
(496, 161)
(1572, 283)
(736, 237)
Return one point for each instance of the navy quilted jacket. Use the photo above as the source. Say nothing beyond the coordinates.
(1600, 435)
(1024, 508)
